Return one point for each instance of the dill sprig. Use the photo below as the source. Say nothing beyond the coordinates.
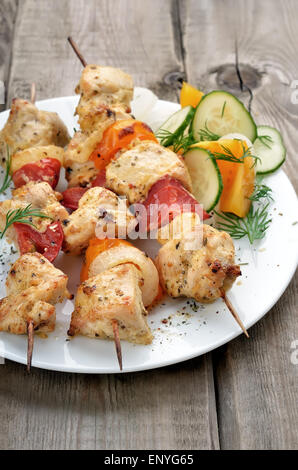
(178, 142)
(22, 216)
(7, 177)
(228, 155)
(254, 225)
(207, 134)
(261, 191)
(266, 140)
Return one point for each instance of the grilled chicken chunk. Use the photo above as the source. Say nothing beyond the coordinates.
(134, 171)
(104, 91)
(122, 254)
(35, 154)
(33, 287)
(199, 273)
(114, 294)
(28, 126)
(99, 209)
(42, 197)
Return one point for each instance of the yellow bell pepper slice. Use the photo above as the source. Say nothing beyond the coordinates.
(238, 178)
(190, 96)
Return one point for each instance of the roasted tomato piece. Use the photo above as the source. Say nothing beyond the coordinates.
(47, 243)
(166, 199)
(71, 197)
(118, 136)
(47, 169)
(100, 179)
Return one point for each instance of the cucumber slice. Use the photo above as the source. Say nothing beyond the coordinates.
(220, 113)
(175, 125)
(269, 147)
(205, 176)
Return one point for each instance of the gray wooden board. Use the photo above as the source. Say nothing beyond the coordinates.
(168, 408)
(157, 42)
(256, 382)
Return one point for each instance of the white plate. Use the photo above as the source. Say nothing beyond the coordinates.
(188, 333)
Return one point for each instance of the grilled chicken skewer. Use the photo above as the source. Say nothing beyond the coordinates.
(33, 287)
(197, 261)
(119, 281)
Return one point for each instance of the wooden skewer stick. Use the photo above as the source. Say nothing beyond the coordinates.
(30, 333)
(233, 312)
(33, 93)
(76, 50)
(117, 342)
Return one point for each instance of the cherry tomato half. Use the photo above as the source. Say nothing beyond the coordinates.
(166, 199)
(47, 243)
(47, 169)
(71, 196)
(118, 136)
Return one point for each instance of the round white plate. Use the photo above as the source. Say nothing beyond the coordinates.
(182, 329)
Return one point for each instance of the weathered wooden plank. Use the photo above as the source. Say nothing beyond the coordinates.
(256, 382)
(167, 408)
(138, 37)
(8, 9)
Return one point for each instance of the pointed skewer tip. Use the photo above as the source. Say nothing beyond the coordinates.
(76, 50)
(117, 342)
(233, 312)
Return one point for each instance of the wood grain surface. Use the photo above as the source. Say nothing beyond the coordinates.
(244, 395)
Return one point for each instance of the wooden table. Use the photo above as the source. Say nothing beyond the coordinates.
(243, 395)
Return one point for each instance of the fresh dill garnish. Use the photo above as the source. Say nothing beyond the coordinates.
(223, 109)
(261, 191)
(254, 225)
(178, 142)
(207, 134)
(228, 155)
(22, 216)
(7, 177)
(266, 140)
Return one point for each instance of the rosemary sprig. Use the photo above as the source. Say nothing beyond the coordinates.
(265, 139)
(22, 216)
(254, 225)
(207, 134)
(7, 177)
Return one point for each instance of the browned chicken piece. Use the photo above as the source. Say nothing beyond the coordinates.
(114, 294)
(33, 287)
(99, 209)
(201, 273)
(42, 197)
(28, 126)
(79, 170)
(35, 154)
(104, 91)
(135, 171)
(123, 254)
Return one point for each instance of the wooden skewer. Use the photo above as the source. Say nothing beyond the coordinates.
(76, 50)
(33, 93)
(30, 333)
(117, 342)
(233, 312)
